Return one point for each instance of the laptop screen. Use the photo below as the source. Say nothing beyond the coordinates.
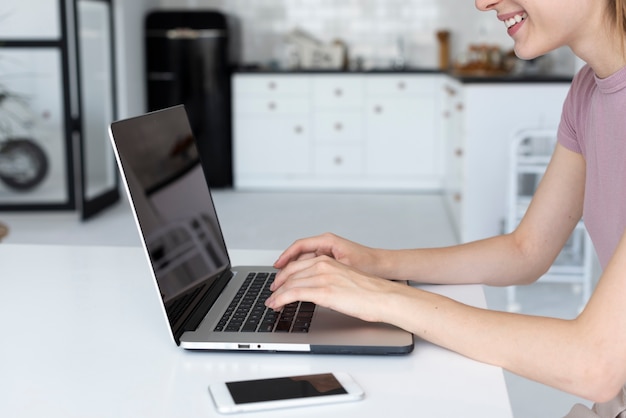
(172, 201)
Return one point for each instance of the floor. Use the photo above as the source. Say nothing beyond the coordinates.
(274, 220)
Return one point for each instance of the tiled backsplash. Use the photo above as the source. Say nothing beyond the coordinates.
(372, 29)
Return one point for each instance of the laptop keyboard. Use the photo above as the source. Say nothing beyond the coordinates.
(247, 311)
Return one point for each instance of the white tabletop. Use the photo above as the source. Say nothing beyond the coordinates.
(83, 335)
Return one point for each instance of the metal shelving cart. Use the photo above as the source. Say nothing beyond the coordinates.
(530, 153)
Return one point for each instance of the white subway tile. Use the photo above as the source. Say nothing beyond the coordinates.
(369, 27)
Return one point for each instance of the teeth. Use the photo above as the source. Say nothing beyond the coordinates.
(515, 20)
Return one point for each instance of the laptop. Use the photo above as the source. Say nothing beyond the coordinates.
(209, 304)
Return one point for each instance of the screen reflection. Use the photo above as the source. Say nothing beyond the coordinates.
(172, 201)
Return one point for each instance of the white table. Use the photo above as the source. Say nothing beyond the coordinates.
(83, 335)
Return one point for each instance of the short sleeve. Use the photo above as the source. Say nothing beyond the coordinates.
(573, 110)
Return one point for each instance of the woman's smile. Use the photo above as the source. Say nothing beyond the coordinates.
(513, 22)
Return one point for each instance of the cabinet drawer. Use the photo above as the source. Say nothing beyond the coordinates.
(271, 106)
(401, 85)
(272, 85)
(338, 91)
(338, 127)
(342, 160)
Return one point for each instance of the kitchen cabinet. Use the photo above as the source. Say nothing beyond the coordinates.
(338, 128)
(363, 131)
(272, 128)
(401, 128)
(481, 120)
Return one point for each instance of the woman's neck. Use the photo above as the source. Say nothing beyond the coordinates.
(606, 55)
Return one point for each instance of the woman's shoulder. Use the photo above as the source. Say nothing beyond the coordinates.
(575, 108)
(584, 81)
(585, 72)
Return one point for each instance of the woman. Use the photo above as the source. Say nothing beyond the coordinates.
(586, 178)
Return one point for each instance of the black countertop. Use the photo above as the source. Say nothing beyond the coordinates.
(262, 70)
(463, 78)
(512, 78)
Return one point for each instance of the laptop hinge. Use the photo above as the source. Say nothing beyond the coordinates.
(202, 307)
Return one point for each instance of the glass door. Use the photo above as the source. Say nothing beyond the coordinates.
(36, 163)
(99, 181)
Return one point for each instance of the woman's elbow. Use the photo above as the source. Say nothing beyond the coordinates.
(605, 393)
(535, 260)
(534, 273)
(604, 382)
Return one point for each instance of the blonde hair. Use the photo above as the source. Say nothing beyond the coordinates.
(617, 15)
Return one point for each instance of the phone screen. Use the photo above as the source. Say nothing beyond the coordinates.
(293, 387)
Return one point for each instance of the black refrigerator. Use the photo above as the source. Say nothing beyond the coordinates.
(187, 62)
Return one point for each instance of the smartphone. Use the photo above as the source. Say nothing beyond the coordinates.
(284, 392)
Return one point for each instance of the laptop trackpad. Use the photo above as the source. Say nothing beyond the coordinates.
(329, 321)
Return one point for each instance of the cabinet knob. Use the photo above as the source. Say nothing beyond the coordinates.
(378, 109)
(338, 126)
(298, 129)
(338, 92)
(271, 106)
(338, 160)
(459, 107)
(401, 85)
(446, 114)
(458, 152)
(457, 197)
(271, 85)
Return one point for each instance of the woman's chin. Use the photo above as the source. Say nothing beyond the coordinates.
(525, 54)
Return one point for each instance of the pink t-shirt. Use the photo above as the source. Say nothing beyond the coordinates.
(594, 124)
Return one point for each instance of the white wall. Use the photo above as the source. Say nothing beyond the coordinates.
(129, 44)
(371, 29)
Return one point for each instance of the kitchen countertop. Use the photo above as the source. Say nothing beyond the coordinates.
(463, 78)
(411, 70)
(511, 78)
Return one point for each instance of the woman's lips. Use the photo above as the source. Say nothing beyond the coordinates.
(513, 21)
